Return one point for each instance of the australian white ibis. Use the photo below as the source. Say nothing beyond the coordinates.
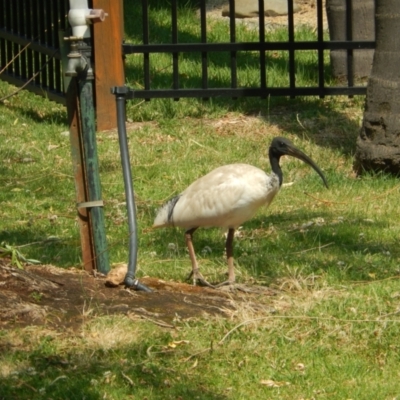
(226, 197)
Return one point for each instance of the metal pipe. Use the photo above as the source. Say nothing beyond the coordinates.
(78, 165)
(130, 280)
(92, 172)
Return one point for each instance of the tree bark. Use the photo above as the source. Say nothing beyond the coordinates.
(378, 145)
(362, 14)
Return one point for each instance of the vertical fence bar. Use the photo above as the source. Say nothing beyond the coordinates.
(35, 38)
(232, 30)
(56, 29)
(320, 38)
(3, 53)
(43, 35)
(50, 42)
(204, 55)
(29, 29)
(146, 56)
(9, 47)
(15, 28)
(62, 27)
(349, 37)
(56, 21)
(175, 56)
(292, 66)
(263, 67)
(23, 17)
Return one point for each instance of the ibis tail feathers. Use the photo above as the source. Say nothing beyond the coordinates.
(164, 215)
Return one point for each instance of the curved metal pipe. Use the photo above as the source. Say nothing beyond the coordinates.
(130, 280)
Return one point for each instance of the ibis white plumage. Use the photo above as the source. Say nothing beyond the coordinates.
(226, 197)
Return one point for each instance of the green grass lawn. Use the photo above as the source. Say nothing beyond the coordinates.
(332, 254)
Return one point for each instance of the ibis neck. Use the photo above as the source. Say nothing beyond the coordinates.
(276, 168)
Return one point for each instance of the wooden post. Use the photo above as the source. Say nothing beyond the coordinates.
(108, 61)
(78, 162)
(88, 255)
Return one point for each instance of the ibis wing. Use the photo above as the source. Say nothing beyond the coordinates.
(226, 197)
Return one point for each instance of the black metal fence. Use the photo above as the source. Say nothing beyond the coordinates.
(30, 52)
(203, 49)
(29, 45)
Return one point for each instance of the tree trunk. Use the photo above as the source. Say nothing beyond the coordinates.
(362, 27)
(378, 145)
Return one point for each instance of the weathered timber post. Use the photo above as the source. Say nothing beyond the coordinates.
(108, 61)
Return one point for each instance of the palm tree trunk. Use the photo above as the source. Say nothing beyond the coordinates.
(361, 13)
(378, 145)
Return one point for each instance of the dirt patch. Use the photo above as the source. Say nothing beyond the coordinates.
(63, 298)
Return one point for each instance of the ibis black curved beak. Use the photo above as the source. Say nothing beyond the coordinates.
(295, 152)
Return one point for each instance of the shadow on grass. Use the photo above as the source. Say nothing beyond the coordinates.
(34, 108)
(43, 244)
(122, 373)
(57, 117)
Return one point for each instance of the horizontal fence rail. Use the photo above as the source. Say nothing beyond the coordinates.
(30, 54)
(29, 45)
(236, 49)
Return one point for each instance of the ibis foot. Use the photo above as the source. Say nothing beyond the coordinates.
(228, 283)
(197, 276)
(249, 289)
(232, 287)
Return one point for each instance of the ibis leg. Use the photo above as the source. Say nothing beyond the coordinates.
(195, 274)
(229, 256)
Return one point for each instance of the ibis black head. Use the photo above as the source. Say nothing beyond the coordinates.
(281, 146)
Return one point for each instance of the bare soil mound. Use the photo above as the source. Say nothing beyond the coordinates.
(65, 297)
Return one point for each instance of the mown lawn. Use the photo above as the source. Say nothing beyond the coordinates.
(332, 255)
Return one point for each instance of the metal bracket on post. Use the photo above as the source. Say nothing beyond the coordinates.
(121, 94)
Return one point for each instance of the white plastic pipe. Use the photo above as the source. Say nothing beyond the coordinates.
(78, 18)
